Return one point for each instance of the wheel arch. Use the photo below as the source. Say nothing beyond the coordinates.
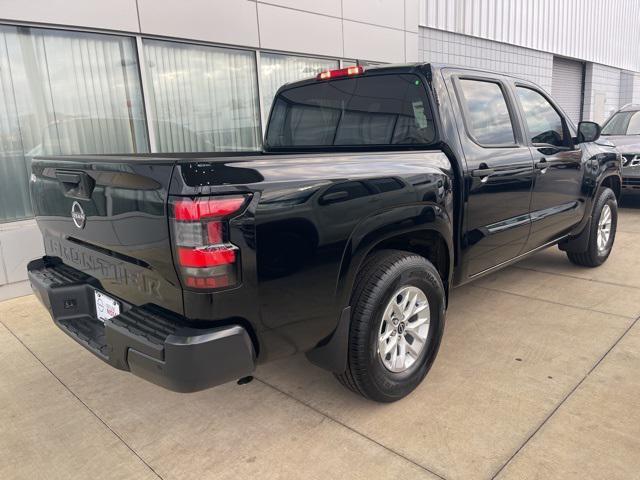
(427, 243)
(579, 240)
(425, 229)
(613, 182)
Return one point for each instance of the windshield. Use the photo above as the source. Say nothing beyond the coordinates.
(623, 123)
(391, 109)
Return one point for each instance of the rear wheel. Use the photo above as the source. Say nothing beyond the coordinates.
(398, 307)
(604, 223)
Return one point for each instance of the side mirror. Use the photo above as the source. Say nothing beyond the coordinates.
(588, 132)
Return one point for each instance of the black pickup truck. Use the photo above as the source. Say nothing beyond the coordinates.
(378, 191)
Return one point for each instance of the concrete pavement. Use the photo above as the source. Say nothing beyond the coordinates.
(537, 378)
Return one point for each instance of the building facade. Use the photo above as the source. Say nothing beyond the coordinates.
(135, 76)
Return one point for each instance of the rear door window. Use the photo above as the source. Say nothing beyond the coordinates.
(487, 113)
(390, 109)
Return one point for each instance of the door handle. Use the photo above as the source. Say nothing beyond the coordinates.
(542, 165)
(71, 178)
(334, 197)
(75, 184)
(482, 172)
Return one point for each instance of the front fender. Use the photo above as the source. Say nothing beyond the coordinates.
(603, 163)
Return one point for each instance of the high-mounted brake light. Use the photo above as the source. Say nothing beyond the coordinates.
(200, 230)
(343, 72)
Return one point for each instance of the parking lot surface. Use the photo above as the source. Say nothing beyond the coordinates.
(537, 378)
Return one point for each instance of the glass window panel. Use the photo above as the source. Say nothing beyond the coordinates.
(544, 122)
(371, 110)
(204, 99)
(623, 123)
(634, 124)
(618, 124)
(487, 113)
(63, 93)
(276, 70)
(14, 194)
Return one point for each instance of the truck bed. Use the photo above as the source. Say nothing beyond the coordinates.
(303, 223)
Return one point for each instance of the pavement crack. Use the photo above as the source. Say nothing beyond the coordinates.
(82, 402)
(564, 399)
(351, 429)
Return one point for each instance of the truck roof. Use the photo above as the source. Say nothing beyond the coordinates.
(424, 67)
(389, 68)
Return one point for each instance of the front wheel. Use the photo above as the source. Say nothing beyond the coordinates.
(604, 223)
(398, 307)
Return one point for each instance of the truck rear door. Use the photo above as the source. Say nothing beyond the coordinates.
(500, 170)
(107, 217)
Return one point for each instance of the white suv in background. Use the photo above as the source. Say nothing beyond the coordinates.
(623, 130)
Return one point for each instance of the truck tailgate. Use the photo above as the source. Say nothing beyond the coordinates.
(106, 216)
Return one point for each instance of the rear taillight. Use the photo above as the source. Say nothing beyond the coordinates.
(205, 256)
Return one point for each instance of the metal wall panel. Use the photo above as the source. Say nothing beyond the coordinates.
(601, 92)
(601, 31)
(567, 86)
(440, 46)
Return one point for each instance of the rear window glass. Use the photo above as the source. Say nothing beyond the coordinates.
(360, 111)
(487, 113)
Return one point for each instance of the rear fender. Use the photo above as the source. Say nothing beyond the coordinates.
(331, 352)
(384, 226)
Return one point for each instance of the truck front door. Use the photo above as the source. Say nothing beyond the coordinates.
(558, 202)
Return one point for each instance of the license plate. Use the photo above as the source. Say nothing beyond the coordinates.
(106, 307)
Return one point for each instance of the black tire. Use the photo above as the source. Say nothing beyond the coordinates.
(594, 256)
(383, 274)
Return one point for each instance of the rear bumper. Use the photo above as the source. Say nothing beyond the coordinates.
(149, 342)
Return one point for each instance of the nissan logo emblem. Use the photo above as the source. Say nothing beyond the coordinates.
(77, 215)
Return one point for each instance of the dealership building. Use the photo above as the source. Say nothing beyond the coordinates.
(128, 76)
